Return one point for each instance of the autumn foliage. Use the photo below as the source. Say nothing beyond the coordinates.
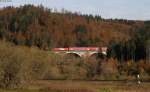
(38, 26)
(29, 27)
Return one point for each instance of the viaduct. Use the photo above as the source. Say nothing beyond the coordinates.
(81, 51)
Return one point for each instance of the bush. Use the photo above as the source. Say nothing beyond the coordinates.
(38, 64)
(12, 67)
(62, 68)
(18, 65)
(109, 69)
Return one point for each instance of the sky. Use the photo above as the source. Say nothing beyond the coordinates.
(120, 9)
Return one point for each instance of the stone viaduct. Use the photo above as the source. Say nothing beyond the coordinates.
(81, 51)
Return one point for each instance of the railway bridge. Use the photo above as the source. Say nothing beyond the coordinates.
(81, 51)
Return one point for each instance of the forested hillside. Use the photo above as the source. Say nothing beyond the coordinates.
(38, 26)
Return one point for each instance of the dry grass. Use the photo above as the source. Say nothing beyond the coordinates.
(89, 86)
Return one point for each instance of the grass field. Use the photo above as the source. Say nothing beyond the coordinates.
(83, 86)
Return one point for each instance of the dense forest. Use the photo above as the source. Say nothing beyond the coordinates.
(41, 27)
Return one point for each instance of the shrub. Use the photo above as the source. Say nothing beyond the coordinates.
(38, 64)
(12, 67)
(18, 65)
(91, 65)
(109, 69)
(63, 68)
